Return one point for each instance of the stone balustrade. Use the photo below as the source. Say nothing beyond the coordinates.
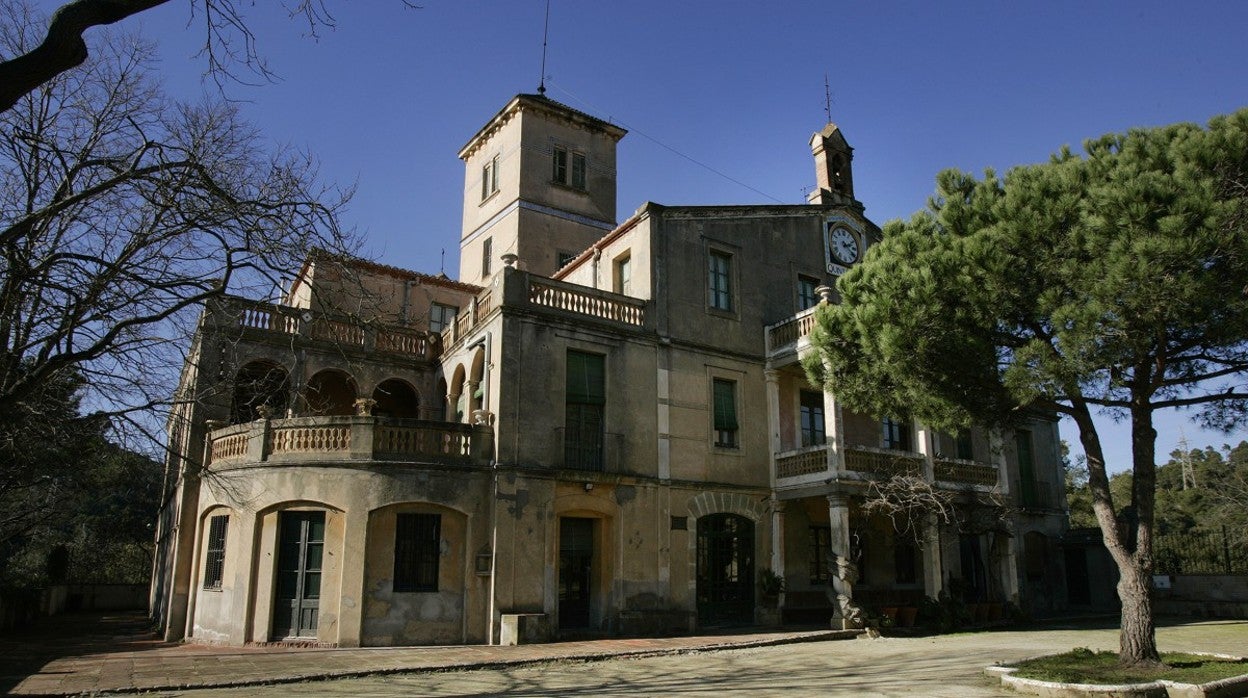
(308, 440)
(786, 333)
(881, 461)
(590, 302)
(805, 461)
(342, 331)
(965, 472)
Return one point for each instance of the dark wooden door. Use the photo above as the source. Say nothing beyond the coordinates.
(300, 547)
(576, 564)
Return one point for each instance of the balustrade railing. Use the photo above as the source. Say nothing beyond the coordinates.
(804, 462)
(787, 332)
(965, 473)
(306, 440)
(882, 462)
(587, 301)
(340, 330)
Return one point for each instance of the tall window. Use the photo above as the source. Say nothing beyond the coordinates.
(806, 296)
(812, 418)
(487, 253)
(1027, 490)
(214, 563)
(724, 393)
(896, 434)
(817, 556)
(441, 316)
(585, 399)
(569, 168)
(417, 551)
(720, 278)
(489, 178)
(624, 275)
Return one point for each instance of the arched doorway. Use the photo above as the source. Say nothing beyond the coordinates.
(259, 383)
(395, 398)
(725, 569)
(331, 392)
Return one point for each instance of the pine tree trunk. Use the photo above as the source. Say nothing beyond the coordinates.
(1137, 641)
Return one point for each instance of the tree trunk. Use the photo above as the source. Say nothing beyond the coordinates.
(1137, 639)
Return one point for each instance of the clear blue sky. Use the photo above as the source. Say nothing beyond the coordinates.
(387, 99)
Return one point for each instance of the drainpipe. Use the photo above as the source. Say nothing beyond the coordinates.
(489, 618)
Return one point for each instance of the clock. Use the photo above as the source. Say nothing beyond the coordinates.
(844, 246)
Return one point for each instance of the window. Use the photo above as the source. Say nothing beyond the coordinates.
(489, 178)
(441, 316)
(417, 551)
(896, 434)
(725, 399)
(487, 251)
(623, 283)
(964, 446)
(820, 545)
(1026, 469)
(569, 168)
(214, 564)
(585, 400)
(720, 277)
(578, 171)
(812, 418)
(563, 258)
(806, 296)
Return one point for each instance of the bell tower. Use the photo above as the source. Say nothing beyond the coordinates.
(834, 171)
(539, 183)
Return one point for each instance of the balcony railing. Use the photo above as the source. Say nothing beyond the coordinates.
(590, 302)
(883, 462)
(305, 440)
(788, 332)
(346, 332)
(965, 472)
(806, 461)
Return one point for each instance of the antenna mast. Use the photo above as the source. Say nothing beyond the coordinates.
(541, 84)
(827, 97)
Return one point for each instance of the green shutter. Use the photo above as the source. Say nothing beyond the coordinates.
(586, 380)
(725, 405)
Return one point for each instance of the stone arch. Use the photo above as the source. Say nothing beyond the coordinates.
(396, 398)
(440, 407)
(456, 401)
(750, 506)
(583, 552)
(331, 392)
(476, 382)
(415, 563)
(270, 603)
(257, 385)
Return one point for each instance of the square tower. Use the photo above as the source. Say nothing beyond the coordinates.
(539, 183)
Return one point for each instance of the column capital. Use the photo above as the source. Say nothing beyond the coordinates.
(771, 375)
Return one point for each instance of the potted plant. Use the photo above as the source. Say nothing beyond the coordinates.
(770, 583)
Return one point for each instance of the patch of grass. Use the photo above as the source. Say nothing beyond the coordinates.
(1082, 665)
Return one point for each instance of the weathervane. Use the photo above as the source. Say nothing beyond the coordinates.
(827, 95)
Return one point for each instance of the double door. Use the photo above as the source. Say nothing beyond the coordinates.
(300, 549)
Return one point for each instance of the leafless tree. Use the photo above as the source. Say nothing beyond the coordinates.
(122, 212)
(229, 45)
(912, 503)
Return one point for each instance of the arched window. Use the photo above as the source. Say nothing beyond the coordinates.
(259, 383)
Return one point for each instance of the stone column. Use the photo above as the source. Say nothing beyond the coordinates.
(924, 440)
(772, 377)
(933, 558)
(834, 432)
(452, 406)
(474, 403)
(996, 452)
(842, 570)
(777, 536)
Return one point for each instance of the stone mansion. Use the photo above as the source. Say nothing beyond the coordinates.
(597, 428)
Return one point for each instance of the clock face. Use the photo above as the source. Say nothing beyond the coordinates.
(844, 246)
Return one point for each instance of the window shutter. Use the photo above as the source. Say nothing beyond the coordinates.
(586, 379)
(725, 406)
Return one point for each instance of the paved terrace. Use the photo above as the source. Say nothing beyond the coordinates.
(91, 654)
